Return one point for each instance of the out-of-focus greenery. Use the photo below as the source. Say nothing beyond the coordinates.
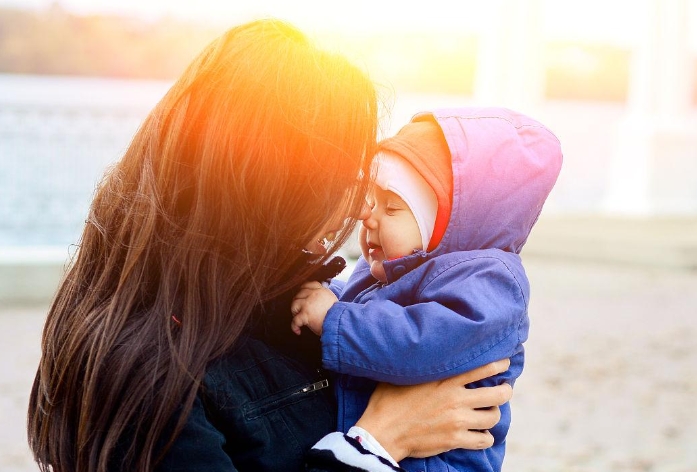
(54, 41)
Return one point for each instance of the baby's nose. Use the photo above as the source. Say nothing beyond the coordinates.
(369, 221)
(363, 212)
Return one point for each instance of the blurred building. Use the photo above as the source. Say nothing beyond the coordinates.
(649, 164)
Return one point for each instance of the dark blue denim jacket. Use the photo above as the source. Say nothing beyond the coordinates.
(258, 410)
(263, 405)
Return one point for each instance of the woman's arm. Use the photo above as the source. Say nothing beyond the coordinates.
(418, 421)
(198, 446)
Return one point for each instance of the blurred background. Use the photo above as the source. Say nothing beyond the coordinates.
(610, 380)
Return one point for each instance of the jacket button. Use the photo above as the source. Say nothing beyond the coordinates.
(400, 270)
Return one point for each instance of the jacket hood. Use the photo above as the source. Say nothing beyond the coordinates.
(504, 165)
(422, 145)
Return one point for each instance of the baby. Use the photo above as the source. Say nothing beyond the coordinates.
(440, 287)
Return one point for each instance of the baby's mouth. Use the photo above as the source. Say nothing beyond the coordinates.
(373, 248)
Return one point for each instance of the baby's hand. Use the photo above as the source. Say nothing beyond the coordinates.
(310, 306)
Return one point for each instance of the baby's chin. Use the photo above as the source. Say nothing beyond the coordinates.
(377, 270)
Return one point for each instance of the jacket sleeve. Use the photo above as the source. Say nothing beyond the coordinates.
(472, 312)
(198, 447)
(338, 452)
(336, 286)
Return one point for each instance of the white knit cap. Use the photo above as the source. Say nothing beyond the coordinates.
(395, 174)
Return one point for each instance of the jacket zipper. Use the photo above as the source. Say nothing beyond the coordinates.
(314, 386)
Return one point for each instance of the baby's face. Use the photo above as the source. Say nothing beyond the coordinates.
(390, 232)
(318, 244)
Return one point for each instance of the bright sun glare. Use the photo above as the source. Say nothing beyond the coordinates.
(611, 21)
(618, 22)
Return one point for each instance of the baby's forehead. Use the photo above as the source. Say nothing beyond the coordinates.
(382, 195)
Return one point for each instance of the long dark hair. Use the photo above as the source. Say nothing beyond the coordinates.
(248, 155)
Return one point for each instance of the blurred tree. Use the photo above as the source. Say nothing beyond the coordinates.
(57, 42)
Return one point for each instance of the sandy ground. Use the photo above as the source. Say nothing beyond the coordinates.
(610, 382)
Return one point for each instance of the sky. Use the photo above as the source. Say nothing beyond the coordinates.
(617, 22)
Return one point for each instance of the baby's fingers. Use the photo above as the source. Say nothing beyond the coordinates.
(296, 306)
(298, 322)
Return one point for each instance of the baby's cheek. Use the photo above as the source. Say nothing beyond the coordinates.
(363, 242)
(377, 270)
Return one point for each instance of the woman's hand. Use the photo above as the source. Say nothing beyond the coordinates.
(427, 419)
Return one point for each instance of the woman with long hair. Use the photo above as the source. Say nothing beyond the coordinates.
(162, 348)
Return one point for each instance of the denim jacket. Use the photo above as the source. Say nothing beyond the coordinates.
(264, 404)
(258, 410)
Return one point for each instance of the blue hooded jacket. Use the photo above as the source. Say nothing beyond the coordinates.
(463, 304)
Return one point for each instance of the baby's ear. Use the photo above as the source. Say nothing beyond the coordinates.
(326, 272)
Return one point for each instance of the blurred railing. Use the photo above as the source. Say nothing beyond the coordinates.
(52, 158)
(58, 135)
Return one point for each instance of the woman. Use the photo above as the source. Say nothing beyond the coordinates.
(160, 348)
